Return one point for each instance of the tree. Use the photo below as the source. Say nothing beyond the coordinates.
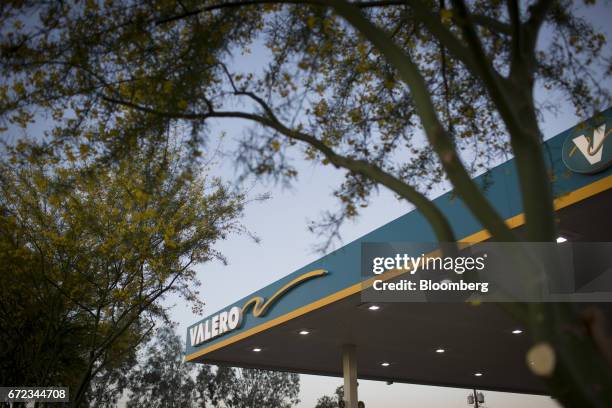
(39, 328)
(331, 402)
(163, 379)
(401, 94)
(89, 250)
(260, 388)
(326, 402)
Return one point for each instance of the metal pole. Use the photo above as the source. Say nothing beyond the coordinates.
(475, 399)
(349, 370)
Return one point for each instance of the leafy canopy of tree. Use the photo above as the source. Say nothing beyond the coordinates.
(461, 77)
(399, 93)
(162, 379)
(331, 402)
(89, 251)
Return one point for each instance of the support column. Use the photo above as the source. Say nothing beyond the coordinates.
(349, 370)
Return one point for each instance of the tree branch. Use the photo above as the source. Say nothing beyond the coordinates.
(492, 80)
(435, 132)
(434, 216)
(220, 6)
(492, 24)
(515, 18)
(537, 15)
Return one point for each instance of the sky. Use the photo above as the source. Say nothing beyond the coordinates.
(286, 245)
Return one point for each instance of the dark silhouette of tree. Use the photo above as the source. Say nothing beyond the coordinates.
(87, 252)
(163, 379)
(259, 388)
(331, 402)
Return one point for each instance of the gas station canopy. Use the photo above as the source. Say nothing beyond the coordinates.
(314, 321)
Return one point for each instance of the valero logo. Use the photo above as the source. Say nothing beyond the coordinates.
(591, 152)
(260, 305)
(230, 320)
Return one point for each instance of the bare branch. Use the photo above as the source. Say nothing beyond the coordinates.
(492, 24)
(515, 18)
(537, 15)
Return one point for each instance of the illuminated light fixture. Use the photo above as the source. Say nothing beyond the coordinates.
(477, 374)
(256, 349)
(374, 307)
(517, 331)
(304, 332)
(440, 350)
(561, 240)
(385, 364)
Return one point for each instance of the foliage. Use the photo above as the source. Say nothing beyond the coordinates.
(88, 253)
(331, 402)
(326, 402)
(163, 379)
(259, 388)
(323, 85)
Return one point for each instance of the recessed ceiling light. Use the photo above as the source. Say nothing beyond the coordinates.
(477, 374)
(561, 240)
(304, 332)
(256, 349)
(440, 350)
(373, 307)
(385, 364)
(517, 331)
